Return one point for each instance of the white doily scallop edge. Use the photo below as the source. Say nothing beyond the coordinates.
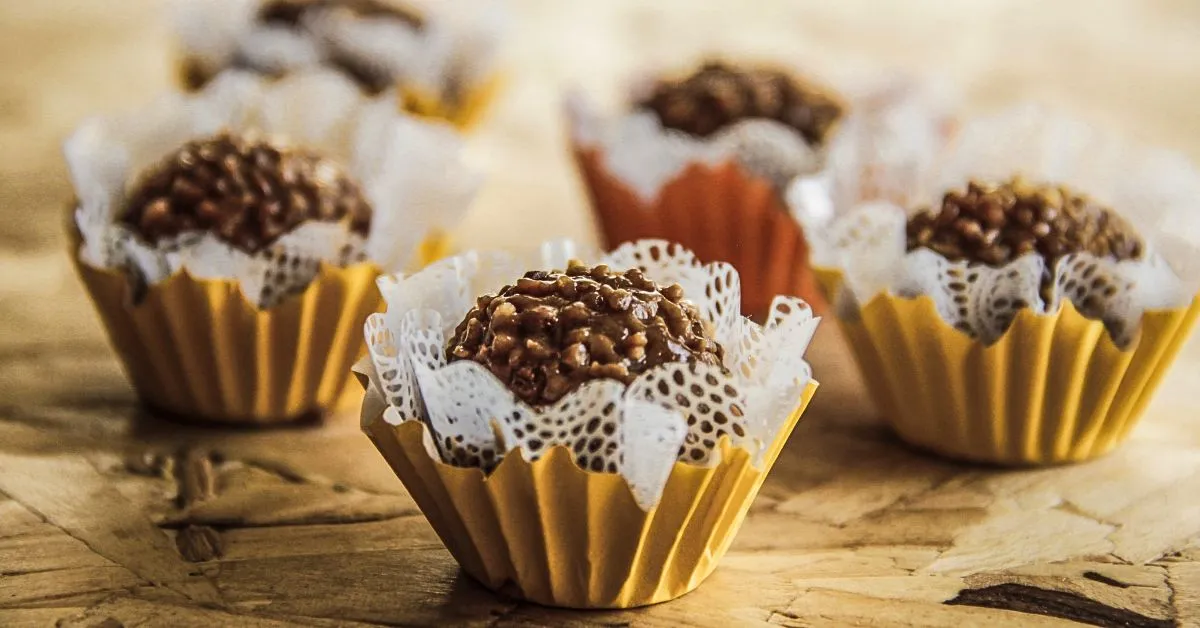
(411, 171)
(463, 400)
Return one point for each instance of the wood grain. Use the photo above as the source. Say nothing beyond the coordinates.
(111, 517)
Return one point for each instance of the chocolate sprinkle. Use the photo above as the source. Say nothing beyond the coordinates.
(245, 191)
(552, 331)
(718, 95)
(293, 14)
(995, 223)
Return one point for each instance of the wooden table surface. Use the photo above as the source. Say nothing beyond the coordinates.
(311, 526)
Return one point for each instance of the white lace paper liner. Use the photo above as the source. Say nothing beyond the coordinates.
(1156, 191)
(887, 148)
(456, 48)
(893, 129)
(410, 171)
(674, 412)
(643, 155)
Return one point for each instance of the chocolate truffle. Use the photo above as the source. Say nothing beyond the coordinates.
(552, 331)
(719, 95)
(995, 224)
(244, 190)
(291, 13)
(296, 15)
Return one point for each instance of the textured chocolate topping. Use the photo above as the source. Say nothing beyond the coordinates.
(244, 190)
(291, 13)
(552, 331)
(995, 223)
(719, 95)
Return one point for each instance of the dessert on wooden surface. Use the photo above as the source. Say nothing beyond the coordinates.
(1025, 314)
(230, 239)
(438, 58)
(707, 159)
(619, 416)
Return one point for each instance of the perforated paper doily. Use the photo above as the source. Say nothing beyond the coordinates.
(410, 171)
(674, 412)
(1157, 192)
(455, 49)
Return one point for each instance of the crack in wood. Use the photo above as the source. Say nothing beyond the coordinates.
(1103, 579)
(71, 494)
(1172, 595)
(284, 471)
(1027, 599)
(1071, 508)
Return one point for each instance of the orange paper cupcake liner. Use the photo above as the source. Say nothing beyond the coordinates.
(552, 533)
(721, 213)
(1053, 389)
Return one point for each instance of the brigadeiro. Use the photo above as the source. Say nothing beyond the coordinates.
(1027, 314)
(718, 96)
(552, 331)
(245, 190)
(630, 388)
(707, 158)
(230, 238)
(997, 223)
(438, 58)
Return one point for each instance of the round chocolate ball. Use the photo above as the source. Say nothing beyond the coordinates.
(552, 331)
(995, 223)
(302, 16)
(245, 191)
(719, 95)
(293, 13)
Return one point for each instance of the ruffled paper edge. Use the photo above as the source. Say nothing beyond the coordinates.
(765, 402)
(985, 148)
(458, 42)
(409, 170)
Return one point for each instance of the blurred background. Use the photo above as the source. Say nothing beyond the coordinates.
(1131, 64)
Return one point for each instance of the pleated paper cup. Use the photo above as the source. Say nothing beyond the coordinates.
(464, 113)
(552, 533)
(1053, 389)
(197, 349)
(722, 213)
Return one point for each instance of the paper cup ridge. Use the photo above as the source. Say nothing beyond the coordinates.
(722, 213)
(1053, 389)
(552, 533)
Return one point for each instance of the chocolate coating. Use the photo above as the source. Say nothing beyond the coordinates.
(244, 190)
(293, 14)
(552, 331)
(995, 223)
(719, 95)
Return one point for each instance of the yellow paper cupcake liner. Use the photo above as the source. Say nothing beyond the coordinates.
(436, 246)
(552, 533)
(199, 350)
(464, 114)
(1053, 389)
